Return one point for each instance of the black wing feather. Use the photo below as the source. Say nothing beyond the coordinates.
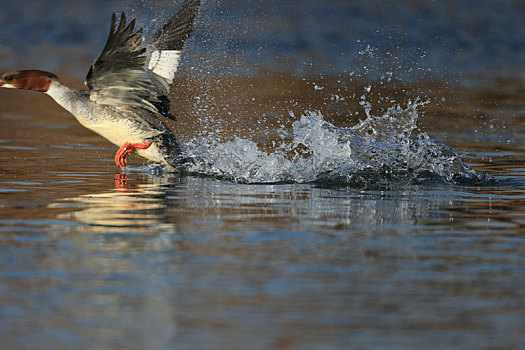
(120, 77)
(173, 35)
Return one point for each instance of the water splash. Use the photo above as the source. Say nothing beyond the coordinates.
(378, 151)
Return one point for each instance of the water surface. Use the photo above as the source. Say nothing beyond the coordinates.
(233, 257)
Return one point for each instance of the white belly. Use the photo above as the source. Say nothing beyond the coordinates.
(108, 122)
(121, 133)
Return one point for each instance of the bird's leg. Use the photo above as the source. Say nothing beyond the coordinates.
(126, 149)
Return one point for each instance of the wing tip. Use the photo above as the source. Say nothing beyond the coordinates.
(173, 35)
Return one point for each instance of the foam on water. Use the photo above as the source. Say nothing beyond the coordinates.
(380, 150)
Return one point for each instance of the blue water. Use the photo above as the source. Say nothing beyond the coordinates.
(429, 40)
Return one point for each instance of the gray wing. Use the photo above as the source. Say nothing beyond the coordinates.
(118, 77)
(165, 47)
(126, 74)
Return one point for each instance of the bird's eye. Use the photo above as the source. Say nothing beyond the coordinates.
(8, 78)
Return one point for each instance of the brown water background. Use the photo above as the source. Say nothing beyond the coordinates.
(162, 261)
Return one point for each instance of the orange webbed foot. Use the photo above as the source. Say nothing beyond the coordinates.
(126, 149)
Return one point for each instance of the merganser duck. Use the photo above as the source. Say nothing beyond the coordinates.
(128, 88)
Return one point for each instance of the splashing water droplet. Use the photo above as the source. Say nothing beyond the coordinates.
(383, 150)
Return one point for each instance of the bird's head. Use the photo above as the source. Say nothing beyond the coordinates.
(36, 80)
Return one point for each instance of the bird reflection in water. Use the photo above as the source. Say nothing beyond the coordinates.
(122, 184)
(131, 207)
